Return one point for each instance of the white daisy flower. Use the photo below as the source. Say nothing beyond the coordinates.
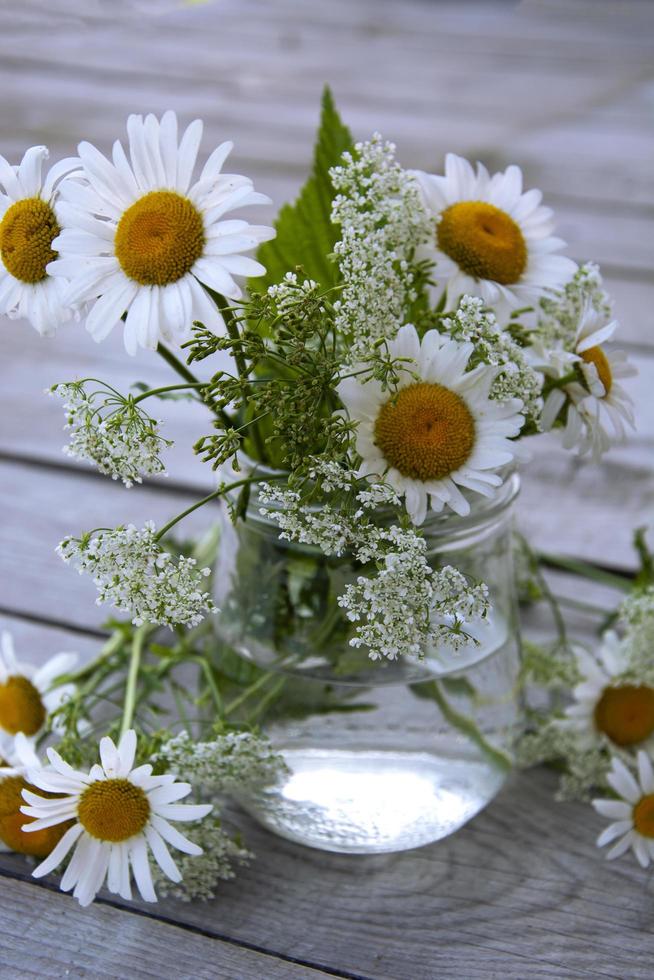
(27, 694)
(141, 238)
(632, 814)
(490, 239)
(29, 223)
(17, 756)
(118, 812)
(604, 707)
(16, 752)
(599, 408)
(439, 430)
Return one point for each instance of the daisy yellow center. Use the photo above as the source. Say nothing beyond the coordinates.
(38, 843)
(26, 234)
(596, 356)
(643, 816)
(626, 714)
(485, 242)
(426, 431)
(159, 238)
(21, 707)
(113, 809)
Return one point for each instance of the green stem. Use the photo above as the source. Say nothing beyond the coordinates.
(247, 693)
(586, 570)
(211, 683)
(176, 364)
(562, 382)
(232, 330)
(269, 696)
(132, 677)
(112, 645)
(164, 388)
(467, 727)
(188, 376)
(200, 503)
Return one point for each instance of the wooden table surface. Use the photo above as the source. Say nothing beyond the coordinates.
(565, 88)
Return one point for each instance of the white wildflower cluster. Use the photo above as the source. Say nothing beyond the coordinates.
(407, 604)
(404, 604)
(331, 476)
(111, 432)
(559, 315)
(327, 527)
(378, 495)
(382, 220)
(585, 768)
(199, 874)
(130, 570)
(234, 760)
(290, 292)
(229, 762)
(637, 618)
(516, 378)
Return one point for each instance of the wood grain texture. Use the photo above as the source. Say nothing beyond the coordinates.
(520, 892)
(45, 935)
(563, 88)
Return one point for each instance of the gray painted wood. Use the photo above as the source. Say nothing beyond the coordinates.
(47, 936)
(565, 89)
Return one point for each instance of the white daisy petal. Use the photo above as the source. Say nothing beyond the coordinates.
(184, 811)
(162, 854)
(614, 830)
(141, 868)
(645, 772)
(623, 782)
(77, 864)
(173, 836)
(614, 809)
(59, 852)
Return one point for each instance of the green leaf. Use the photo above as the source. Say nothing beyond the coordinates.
(305, 233)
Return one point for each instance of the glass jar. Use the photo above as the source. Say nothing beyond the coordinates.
(386, 755)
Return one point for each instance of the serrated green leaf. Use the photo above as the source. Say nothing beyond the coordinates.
(305, 233)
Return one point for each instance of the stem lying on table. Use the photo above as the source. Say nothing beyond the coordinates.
(586, 570)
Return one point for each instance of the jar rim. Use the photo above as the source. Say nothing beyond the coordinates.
(482, 509)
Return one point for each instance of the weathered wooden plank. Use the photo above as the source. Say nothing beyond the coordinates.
(521, 891)
(45, 506)
(236, 71)
(45, 935)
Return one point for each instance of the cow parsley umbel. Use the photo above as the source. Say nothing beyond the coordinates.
(382, 220)
(112, 432)
(133, 572)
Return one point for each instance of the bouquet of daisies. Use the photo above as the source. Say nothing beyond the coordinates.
(382, 359)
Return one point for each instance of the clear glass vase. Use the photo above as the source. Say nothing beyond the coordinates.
(382, 756)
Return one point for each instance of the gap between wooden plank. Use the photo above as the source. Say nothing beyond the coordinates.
(215, 955)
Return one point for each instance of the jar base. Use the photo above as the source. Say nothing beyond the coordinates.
(374, 802)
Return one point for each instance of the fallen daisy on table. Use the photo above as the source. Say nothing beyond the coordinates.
(114, 814)
(27, 694)
(17, 755)
(632, 814)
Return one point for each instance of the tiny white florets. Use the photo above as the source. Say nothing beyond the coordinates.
(123, 442)
(130, 570)
(382, 220)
